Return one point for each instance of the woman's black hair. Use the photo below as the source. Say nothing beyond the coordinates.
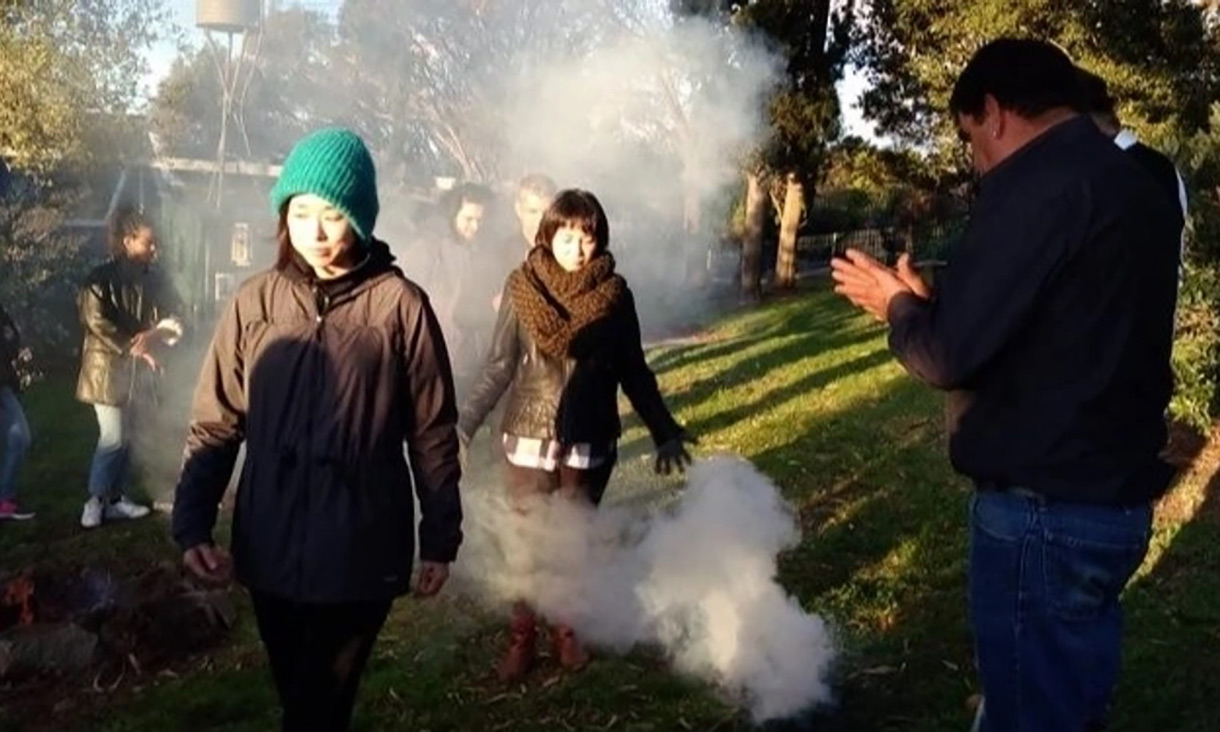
(126, 220)
(578, 209)
(453, 199)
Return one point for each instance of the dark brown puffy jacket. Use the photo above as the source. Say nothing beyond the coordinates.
(118, 300)
(324, 382)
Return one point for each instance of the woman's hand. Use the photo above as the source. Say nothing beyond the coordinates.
(672, 455)
(432, 577)
(208, 562)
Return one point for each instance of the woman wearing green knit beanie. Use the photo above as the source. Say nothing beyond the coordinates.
(324, 366)
(334, 165)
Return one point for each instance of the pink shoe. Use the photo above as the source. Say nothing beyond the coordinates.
(10, 512)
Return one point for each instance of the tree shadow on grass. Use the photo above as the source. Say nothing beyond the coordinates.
(884, 552)
(882, 556)
(819, 317)
(1172, 636)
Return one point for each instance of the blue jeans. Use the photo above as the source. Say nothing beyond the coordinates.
(16, 442)
(108, 473)
(1045, 579)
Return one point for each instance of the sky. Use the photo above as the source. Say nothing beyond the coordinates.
(162, 56)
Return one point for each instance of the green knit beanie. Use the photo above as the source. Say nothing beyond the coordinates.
(334, 165)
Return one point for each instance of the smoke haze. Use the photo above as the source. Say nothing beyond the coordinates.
(698, 580)
(654, 116)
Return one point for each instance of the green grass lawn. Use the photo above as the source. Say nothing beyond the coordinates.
(805, 389)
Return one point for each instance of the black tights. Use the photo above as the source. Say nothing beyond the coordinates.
(317, 655)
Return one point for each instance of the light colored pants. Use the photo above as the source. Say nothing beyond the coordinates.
(108, 473)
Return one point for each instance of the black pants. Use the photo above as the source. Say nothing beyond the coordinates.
(317, 655)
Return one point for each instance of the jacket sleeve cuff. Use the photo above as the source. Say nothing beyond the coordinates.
(439, 551)
(903, 306)
(172, 328)
(668, 432)
(191, 539)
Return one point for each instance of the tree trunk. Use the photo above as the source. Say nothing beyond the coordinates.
(694, 244)
(790, 222)
(751, 245)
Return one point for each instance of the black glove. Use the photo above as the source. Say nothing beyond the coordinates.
(672, 454)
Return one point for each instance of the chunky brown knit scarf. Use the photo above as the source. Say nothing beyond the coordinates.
(556, 305)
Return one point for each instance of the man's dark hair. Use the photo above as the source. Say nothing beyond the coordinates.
(1096, 96)
(1026, 76)
(464, 193)
(126, 220)
(579, 210)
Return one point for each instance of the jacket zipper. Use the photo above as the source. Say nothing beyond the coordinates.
(321, 302)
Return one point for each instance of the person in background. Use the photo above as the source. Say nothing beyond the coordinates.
(13, 425)
(567, 337)
(1100, 105)
(1051, 331)
(534, 193)
(130, 315)
(467, 206)
(461, 273)
(324, 366)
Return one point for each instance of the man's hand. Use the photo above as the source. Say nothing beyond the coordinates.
(432, 577)
(912, 279)
(867, 283)
(208, 562)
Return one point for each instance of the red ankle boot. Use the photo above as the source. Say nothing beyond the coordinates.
(571, 653)
(522, 645)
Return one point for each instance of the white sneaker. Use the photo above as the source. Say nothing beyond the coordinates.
(125, 508)
(91, 517)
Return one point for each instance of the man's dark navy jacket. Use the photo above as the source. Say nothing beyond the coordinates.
(1053, 326)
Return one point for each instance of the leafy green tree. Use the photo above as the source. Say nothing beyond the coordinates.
(813, 40)
(286, 82)
(1158, 56)
(66, 67)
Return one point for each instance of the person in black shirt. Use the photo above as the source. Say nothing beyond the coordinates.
(1100, 105)
(1051, 331)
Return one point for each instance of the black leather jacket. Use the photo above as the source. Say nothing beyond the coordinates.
(575, 399)
(118, 300)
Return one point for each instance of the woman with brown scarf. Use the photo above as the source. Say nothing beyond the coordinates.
(567, 337)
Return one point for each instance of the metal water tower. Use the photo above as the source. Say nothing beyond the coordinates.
(228, 16)
(232, 19)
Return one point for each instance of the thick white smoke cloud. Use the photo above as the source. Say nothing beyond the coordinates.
(655, 118)
(653, 115)
(656, 122)
(698, 580)
(690, 96)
